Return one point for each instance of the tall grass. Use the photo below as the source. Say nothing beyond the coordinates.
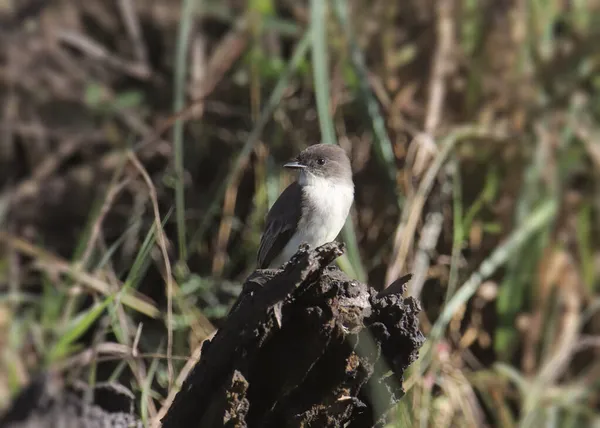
(511, 293)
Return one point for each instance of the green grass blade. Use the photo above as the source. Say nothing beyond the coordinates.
(519, 270)
(96, 210)
(352, 263)
(458, 234)
(585, 246)
(111, 250)
(78, 326)
(52, 303)
(179, 84)
(320, 63)
(383, 144)
(354, 267)
(142, 260)
(534, 222)
(147, 391)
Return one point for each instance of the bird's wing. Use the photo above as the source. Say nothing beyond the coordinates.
(282, 220)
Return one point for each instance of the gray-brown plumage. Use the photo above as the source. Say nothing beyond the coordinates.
(313, 209)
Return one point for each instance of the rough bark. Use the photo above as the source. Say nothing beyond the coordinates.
(303, 346)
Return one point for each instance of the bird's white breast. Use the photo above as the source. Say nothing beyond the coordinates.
(328, 203)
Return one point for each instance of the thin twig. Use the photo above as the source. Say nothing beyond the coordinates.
(199, 67)
(183, 374)
(54, 264)
(136, 341)
(429, 236)
(111, 195)
(132, 24)
(224, 232)
(162, 242)
(442, 65)
(534, 222)
(405, 232)
(95, 50)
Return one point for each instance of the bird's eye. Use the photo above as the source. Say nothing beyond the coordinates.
(321, 161)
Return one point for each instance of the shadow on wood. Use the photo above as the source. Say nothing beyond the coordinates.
(303, 346)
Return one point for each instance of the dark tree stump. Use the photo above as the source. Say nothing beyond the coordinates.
(303, 346)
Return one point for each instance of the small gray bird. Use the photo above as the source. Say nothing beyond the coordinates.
(313, 209)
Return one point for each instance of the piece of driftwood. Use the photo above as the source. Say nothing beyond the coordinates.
(48, 402)
(305, 346)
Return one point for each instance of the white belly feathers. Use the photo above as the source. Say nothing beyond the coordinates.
(328, 204)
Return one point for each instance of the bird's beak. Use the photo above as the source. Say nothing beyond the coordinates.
(295, 165)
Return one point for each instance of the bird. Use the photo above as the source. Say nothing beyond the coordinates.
(311, 210)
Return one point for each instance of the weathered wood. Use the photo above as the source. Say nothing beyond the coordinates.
(303, 346)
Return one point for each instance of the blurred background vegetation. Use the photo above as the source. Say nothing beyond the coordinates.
(141, 144)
